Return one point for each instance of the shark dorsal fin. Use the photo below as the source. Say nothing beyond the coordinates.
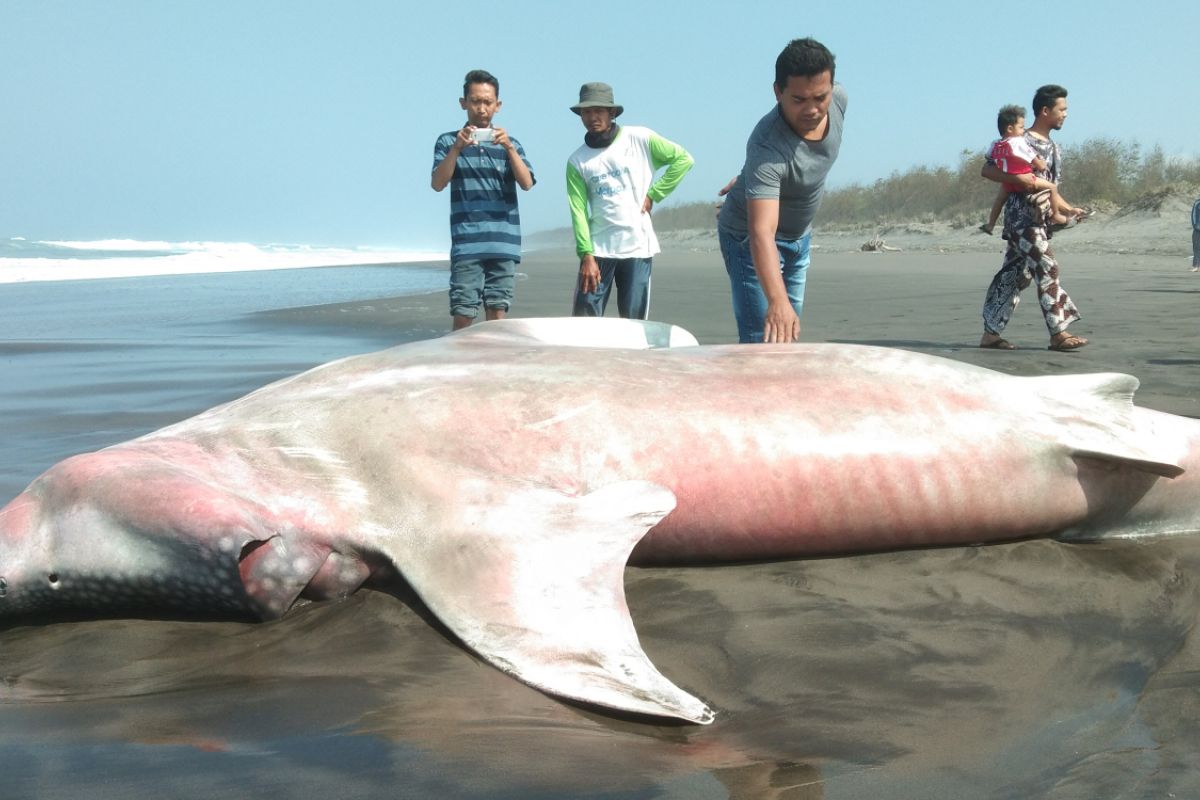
(1093, 416)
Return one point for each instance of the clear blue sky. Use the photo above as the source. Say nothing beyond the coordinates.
(313, 121)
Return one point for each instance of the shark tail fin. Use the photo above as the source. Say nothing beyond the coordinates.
(1095, 418)
(535, 585)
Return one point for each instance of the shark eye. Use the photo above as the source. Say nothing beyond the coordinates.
(53, 579)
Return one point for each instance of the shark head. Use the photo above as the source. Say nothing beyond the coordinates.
(160, 530)
(79, 542)
(20, 582)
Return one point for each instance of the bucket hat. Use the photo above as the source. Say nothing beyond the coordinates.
(597, 95)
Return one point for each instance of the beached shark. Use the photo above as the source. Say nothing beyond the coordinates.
(510, 471)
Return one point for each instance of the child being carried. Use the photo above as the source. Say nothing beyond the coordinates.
(1013, 155)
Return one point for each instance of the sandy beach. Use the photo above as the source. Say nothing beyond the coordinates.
(1031, 669)
(1130, 279)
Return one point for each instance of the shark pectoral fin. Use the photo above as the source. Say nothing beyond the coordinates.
(534, 583)
(275, 570)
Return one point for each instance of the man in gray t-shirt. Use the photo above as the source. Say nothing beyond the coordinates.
(765, 224)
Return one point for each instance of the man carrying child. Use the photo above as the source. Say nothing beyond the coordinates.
(1028, 258)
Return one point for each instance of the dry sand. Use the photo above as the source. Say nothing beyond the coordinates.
(1129, 275)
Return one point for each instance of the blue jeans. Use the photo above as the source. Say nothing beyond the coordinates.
(749, 302)
(632, 277)
(486, 281)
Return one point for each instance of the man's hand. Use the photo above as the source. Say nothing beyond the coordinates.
(589, 274)
(500, 137)
(444, 171)
(724, 190)
(781, 323)
(521, 173)
(647, 204)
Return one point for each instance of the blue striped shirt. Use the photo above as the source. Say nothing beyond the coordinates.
(484, 220)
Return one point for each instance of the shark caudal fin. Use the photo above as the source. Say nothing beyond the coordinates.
(621, 334)
(535, 585)
(1094, 416)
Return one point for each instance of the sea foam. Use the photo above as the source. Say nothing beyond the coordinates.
(24, 261)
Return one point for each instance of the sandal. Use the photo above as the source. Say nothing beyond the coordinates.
(1068, 344)
(998, 344)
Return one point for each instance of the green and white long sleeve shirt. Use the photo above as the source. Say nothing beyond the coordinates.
(607, 187)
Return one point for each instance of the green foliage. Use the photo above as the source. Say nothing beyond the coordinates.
(1099, 170)
(686, 217)
(1096, 171)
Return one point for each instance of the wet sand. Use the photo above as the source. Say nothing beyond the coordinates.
(1030, 669)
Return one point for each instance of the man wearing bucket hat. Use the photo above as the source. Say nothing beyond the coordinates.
(765, 225)
(611, 187)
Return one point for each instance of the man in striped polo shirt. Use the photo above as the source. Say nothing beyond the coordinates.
(483, 167)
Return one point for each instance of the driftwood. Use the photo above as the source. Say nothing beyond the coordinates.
(876, 245)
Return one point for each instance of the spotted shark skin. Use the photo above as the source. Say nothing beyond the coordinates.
(510, 471)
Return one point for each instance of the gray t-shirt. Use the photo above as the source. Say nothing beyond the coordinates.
(781, 165)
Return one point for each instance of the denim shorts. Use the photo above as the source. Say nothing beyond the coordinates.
(487, 281)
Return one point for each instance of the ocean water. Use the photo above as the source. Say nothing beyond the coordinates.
(87, 363)
(23, 260)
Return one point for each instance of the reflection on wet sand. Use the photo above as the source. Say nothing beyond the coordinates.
(1036, 668)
